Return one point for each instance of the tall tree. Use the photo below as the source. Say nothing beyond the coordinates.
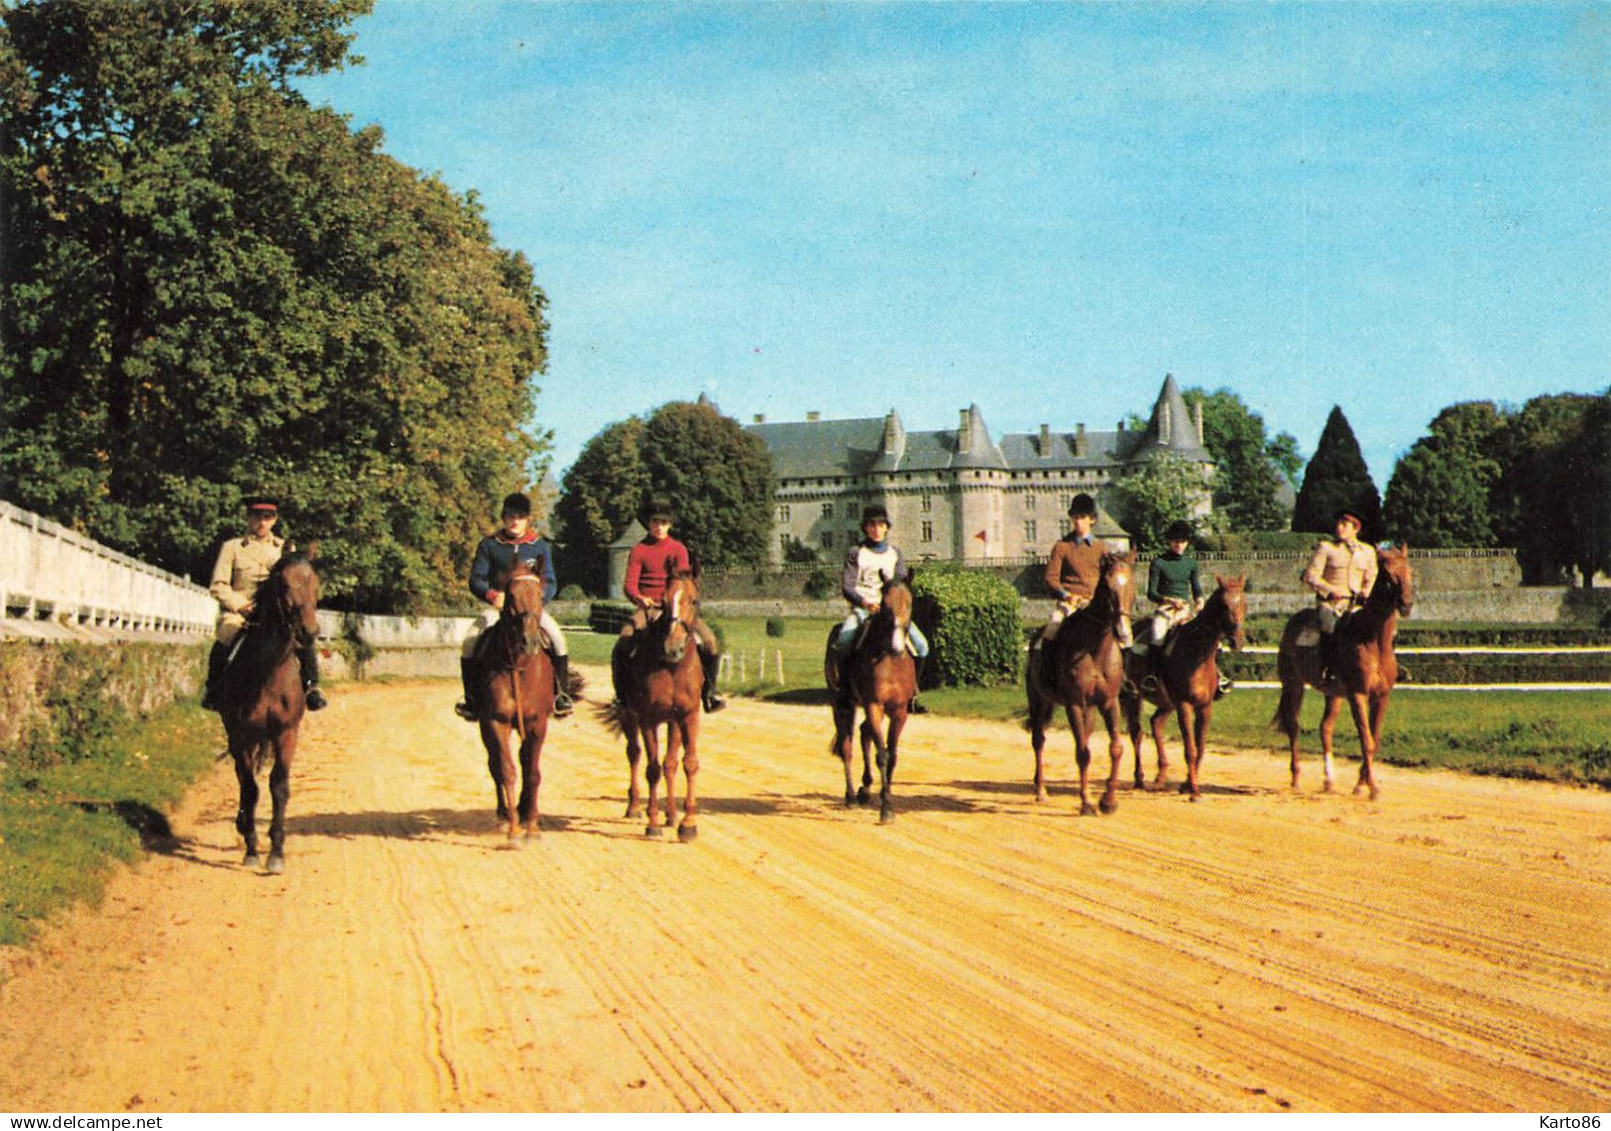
(1443, 489)
(1164, 488)
(1250, 465)
(1337, 477)
(717, 476)
(1553, 476)
(212, 288)
(601, 495)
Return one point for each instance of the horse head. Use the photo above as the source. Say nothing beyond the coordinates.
(523, 606)
(292, 589)
(1116, 594)
(1228, 604)
(1393, 578)
(887, 629)
(679, 608)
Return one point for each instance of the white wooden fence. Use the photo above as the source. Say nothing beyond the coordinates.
(51, 574)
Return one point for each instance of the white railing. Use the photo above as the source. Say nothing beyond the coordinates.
(50, 573)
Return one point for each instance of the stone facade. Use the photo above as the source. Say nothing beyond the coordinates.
(960, 494)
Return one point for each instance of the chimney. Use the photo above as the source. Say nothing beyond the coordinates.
(1197, 415)
(1121, 426)
(813, 417)
(1045, 440)
(1080, 448)
(760, 418)
(964, 440)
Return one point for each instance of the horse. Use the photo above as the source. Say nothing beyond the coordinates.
(261, 697)
(882, 679)
(516, 699)
(1083, 668)
(1188, 681)
(1364, 672)
(659, 683)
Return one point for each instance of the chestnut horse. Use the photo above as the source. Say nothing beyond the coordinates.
(882, 680)
(1084, 669)
(1364, 671)
(516, 699)
(661, 681)
(261, 699)
(1188, 681)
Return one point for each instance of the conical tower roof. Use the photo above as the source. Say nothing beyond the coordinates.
(1172, 428)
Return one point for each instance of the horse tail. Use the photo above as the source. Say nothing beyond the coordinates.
(1286, 709)
(612, 715)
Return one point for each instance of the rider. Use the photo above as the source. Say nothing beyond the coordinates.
(1073, 569)
(651, 567)
(243, 564)
(868, 566)
(1341, 573)
(1175, 589)
(516, 540)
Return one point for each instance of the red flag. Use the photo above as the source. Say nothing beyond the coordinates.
(981, 537)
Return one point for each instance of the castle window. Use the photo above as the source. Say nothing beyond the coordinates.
(1029, 502)
(1030, 532)
(827, 539)
(783, 513)
(927, 532)
(1063, 528)
(926, 503)
(827, 510)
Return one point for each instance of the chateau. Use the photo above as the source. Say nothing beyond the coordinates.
(958, 494)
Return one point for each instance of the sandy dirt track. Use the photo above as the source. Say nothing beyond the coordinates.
(1445, 948)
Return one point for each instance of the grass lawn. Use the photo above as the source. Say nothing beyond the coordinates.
(63, 826)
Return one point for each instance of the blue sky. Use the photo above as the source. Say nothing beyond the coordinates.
(1041, 209)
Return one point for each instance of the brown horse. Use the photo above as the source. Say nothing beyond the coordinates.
(1083, 668)
(1364, 672)
(1188, 681)
(261, 698)
(516, 699)
(660, 684)
(882, 680)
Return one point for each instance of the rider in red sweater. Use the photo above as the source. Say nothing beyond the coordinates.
(651, 565)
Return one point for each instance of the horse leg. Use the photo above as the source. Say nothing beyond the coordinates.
(669, 767)
(866, 735)
(531, 767)
(1328, 724)
(1185, 716)
(1079, 721)
(1360, 705)
(494, 744)
(872, 739)
(897, 723)
(246, 812)
(843, 749)
(1287, 713)
(1158, 743)
(1110, 793)
(651, 770)
(1132, 723)
(689, 828)
(280, 794)
(1040, 713)
(634, 753)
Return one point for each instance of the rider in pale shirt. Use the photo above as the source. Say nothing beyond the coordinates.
(868, 565)
(1341, 573)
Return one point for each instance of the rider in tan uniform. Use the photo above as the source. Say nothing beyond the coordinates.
(243, 564)
(1341, 574)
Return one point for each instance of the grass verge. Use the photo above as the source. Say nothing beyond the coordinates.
(64, 826)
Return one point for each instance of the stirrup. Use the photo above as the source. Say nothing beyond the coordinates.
(1148, 684)
(315, 698)
(563, 705)
(466, 712)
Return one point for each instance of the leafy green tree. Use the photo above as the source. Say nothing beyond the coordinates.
(1553, 477)
(601, 494)
(211, 288)
(1250, 466)
(1164, 488)
(717, 476)
(1442, 493)
(1337, 477)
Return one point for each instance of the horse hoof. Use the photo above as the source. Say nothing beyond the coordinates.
(654, 831)
(634, 810)
(1328, 787)
(253, 860)
(862, 795)
(886, 817)
(1110, 805)
(686, 834)
(1185, 787)
(276, 865)
(1087, 809)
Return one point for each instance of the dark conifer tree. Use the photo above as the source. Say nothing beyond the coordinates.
(1337, 478)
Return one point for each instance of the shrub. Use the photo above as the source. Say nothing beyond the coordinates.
(821, 584)
(571, 592)
(774, 626)
(972, 621)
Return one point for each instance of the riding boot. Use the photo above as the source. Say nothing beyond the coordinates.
(916, 707)
(707, 693)
(562, 686)
(469, 710)
(217, 659)
(308, 660)
(618, 669)
(1328, 655)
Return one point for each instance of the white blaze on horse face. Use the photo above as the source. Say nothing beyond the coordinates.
(898, 639)
(676, 601)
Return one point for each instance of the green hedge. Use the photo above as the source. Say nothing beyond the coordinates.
(1476, 667)
(971, 619)
(609, 616)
